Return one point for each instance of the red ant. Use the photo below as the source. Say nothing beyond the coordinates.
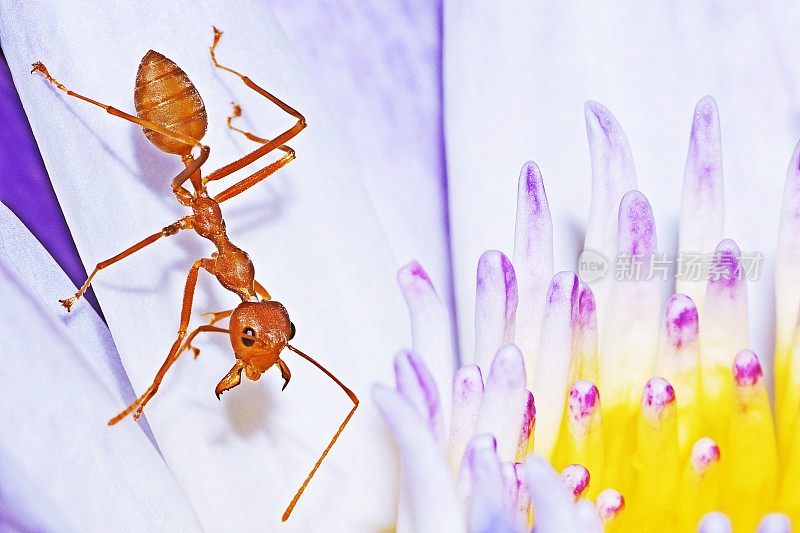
(172, 114)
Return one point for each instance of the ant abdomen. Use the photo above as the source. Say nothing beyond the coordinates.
(164, 94)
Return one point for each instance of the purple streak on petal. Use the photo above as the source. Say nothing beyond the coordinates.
(680, 320)
(495, 307)
(586, 307)
(746, 369)
(535, 193)
(465, 478)
(725, 272)
(705, 159)
(528, 423)
(416, 270)
(416, 385)
(25, 186)
(637, 228)
(467, 398)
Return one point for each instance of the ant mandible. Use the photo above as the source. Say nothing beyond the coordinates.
(172, 114)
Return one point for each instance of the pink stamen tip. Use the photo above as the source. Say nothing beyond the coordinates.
(576, 478)
(529, 418)
(658, 393)
(746, 368)
(609, 503)
(681, 320)
(584, 399)
(705, 452)
(417, 271)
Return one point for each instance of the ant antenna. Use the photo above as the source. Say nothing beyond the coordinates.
(353, 397)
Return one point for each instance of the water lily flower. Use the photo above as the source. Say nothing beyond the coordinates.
(658, 429)
(367, 193)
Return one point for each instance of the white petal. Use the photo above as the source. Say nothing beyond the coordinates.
(787, 273)
(415, 384)
(613, 174)
(378, 70)
(702, 204)
(25, 508)
(61, 378)
(630, 337)
(724, 330)
(552, 375)
(553, 509)
(714, 522)
(430, 324)
(258, 444)
(487, 507)
(495, 306)
(504, 400)
(427, 487)
(533, 262)
(467, 399)
(775, 523)
(587, 517)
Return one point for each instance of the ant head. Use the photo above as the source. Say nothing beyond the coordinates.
(259, 332)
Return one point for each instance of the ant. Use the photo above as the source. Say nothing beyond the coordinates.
(172, 114)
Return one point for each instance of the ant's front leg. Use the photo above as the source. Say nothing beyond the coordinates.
(215, 317)
(188, 296)
(172, 229)
(285, 374)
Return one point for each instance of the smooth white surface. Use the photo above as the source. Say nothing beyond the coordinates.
(61, 378)
(517, 75)
(241, 460)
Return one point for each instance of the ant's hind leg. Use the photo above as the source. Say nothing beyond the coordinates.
(184, 175)
(170, 230)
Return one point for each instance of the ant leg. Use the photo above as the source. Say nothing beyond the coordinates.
(172, 229)
(39, 67)
(199, 329)
(268, 146)
(261, 291)
(254, 178)
(247, 81)
(215, 317)
(353, 398)
(285, 373)
(182, 194)
(188, 296)
(237, 112)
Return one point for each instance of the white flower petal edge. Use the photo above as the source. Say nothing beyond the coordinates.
(241, 460)
(425, 480)
(61, 377)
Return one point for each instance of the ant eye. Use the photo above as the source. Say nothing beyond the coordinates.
(292, 331)
(246, 341)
